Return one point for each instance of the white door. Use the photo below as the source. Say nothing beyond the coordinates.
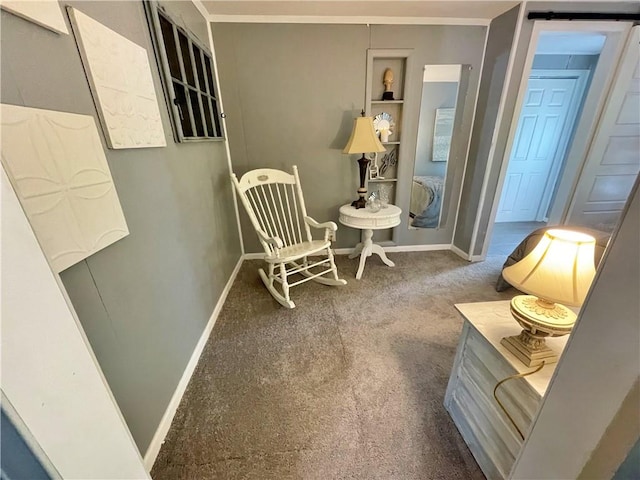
(546, 109)
(613, 160)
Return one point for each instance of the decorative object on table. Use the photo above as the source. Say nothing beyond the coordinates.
(384, 124)
(373, 203)
(363, 140)
(557, 272)
(387, 80)
(121, 83)
(374, 170)
(442, 133)
(275, 205)
(57, 165)
(388, 161)
(384, 194)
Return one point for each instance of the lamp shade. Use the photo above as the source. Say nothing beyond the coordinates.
(363, 138)
(559, 269)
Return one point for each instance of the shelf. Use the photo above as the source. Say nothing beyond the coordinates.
(390, 143)
(377, 102)
(380, 180)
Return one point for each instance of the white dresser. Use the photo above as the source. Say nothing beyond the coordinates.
(480, 363)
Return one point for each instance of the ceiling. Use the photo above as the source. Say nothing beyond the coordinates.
(570, 43)
(357, 11)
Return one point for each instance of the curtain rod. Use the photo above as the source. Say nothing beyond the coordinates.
(583, 16)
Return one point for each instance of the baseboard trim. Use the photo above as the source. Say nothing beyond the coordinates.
(460, 252)
(163, 428)
(349, 250)
(418, 248)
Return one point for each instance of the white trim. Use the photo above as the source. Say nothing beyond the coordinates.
(394, 248)
(163, 428)
(466, 157)
(202, 9)
(224, 126)
(460, 253)
(350, 20)
(418, 248)
(253, 256)
(607, 27)
(496, 129)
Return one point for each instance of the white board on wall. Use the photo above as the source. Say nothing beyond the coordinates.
(57, 166)
(45, 13)
(121, 83)
(49, 373)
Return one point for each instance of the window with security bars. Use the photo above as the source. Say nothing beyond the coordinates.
(189, 78)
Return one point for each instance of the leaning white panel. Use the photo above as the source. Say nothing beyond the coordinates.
(45, 13)
(119, 74)
(58, 167)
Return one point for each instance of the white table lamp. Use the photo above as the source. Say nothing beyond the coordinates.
(557, 272)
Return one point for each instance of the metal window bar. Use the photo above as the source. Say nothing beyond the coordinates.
(197, 82)
(183, 73)
(159, 42)
(154, 12)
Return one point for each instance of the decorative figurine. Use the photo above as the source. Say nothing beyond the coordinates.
(387, 79)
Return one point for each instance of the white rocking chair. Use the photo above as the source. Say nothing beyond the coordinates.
(273, 199)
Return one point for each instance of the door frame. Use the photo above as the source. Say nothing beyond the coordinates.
(616, 33)
(581, 77)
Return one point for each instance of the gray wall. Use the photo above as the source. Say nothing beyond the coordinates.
(463, 237)
(501, 33)
(145, 300)
(292, 91)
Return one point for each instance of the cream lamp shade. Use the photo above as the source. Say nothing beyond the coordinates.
(559, 269)
(363, 138)
(557, 272)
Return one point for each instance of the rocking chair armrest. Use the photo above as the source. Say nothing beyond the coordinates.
(275, 241)
(328, 225)
(330, 228)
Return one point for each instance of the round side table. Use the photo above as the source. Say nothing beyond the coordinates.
(368, 221)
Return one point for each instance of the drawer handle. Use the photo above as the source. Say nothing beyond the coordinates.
(495, 389)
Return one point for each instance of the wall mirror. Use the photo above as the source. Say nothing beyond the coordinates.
(439, 107)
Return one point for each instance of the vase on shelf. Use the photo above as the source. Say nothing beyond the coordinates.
(384, 194)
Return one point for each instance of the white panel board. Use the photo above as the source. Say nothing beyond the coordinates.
(45, 13)
(119, 74)
(58, 167)
(49, 373)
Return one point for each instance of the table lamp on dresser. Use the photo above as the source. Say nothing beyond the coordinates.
(363, 140)
(557, 272)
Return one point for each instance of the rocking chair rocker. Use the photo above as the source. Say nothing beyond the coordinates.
(273, 199)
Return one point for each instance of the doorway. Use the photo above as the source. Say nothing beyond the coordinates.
(546, 124)
(567, 72)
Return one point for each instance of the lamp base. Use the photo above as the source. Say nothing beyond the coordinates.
(529, 349)
(359, 203)
(539, 319)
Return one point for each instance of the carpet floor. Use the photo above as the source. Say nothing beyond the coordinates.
(349, 384)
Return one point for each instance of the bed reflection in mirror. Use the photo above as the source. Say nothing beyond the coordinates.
(440, 89)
